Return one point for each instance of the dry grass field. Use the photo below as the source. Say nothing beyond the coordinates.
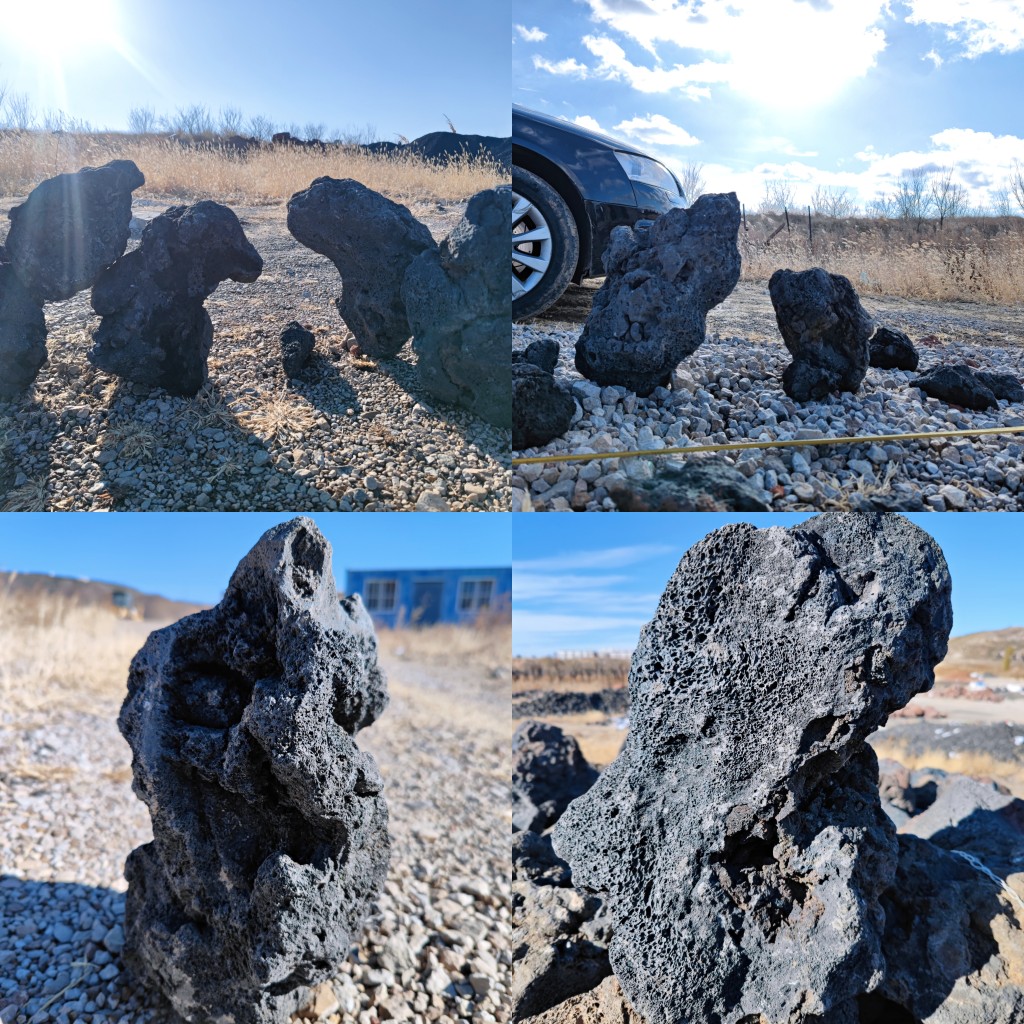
(580, 675)
(971, 259)
(267, 174)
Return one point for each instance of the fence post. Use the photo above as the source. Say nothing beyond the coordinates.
(786, 212)
(744, 209)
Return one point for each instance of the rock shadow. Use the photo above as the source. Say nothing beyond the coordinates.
(320, 382)
(28, 431)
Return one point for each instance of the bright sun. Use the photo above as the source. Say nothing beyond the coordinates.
(59, 28)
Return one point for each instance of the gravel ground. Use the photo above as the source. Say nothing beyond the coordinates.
(352, 435)
(436, 948)
(730, 390)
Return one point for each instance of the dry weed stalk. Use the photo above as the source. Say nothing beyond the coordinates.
(31, 496)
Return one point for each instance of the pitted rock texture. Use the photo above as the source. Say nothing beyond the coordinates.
(22, 335)
(958, 384)
(71, 227)
(1002, 385)
(542, 407)
(738, 838)
(460, 310)
(702, 485)
(372, 241)
(661, 281)
(892, 350)
(269, 824)
(296, 347)
(825, 328)
(548, 770)
(155, 329)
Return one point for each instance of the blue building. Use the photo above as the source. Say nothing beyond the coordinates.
(421, 597)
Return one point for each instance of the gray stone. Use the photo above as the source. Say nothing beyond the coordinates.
(71, 227)
(269, 825)
(548, 770)
(296, 347)
(371, 241)
(662, 279)
(155, 329)
(702, 485)
(825, 329)
(460, 310)
(542, 408)
(22, 335)
(738, 839)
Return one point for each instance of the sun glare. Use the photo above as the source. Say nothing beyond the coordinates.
(61, 28)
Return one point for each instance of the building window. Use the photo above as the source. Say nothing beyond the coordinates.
(380, 595)
(475, 594)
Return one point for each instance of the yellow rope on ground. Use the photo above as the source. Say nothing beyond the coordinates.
(736, 446)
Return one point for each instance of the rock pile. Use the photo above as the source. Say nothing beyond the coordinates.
(662, 279)
(396, 283)
(68, 229)
(959, 384)
(825, 328)
(738, 839)
(270, 830)
(542, 408)
(155, 328)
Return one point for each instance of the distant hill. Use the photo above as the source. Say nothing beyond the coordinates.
(999, 651)
(28, 588)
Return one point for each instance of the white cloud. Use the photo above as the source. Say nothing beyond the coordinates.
(569, 66)
(531, 35)
(978, 26)
(586, 121)
(656, 130)
(934, 58)
(605, 558)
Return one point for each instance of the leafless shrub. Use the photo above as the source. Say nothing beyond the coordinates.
(830, 201)
(231, 121)
(314, 131)
(142, 120)
(948, 197)
(261, 127)
(778, 196)
(691, 178)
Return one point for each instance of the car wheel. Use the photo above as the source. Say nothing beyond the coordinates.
(545, 245)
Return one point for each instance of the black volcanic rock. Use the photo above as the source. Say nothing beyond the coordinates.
(70, 227)
(269, 824)
(296, 347)
(22, 335)
(662, 278)
(372, 241)
(825, 329)
(542, 407)
(701, 485)
(738, 839)
(892, 350)
(1002, 385)
(958, 384)
(155, 329)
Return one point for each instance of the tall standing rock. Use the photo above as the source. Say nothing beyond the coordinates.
(738, 839)
(269, 824)
(155, 329)
(662, 279)
(372, 241)
(460, 310)
(22, 335)
(826, 330)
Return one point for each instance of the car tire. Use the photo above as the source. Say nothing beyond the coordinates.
(543, 263)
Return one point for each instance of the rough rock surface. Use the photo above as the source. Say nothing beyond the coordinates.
(548, 770)
(958, 384)
(738, 838)
(460, 310)
(296, 347)
(825, 328)
(602, 1005)
(702, 485)
(661, 281)
(71, 227)
(542, 408)
(270, 830)
(22, 335)
(892, 350)
(371, 241)
(543, 353)
(1002, 385)
(155, 329)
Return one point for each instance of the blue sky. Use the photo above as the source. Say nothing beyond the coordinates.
(832, 93)
(190, 556)
(590, 582)
(398, 65)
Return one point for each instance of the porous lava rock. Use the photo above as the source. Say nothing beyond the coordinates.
(269, 824)
(296, 347)
(372, 241)
(738, 839)
(71, 227)
(22, 335)
(155, 329)
(460, 310)
(704, 485)
(604, 1004)
(661, 279)
(892, 350)
(543, 352)
(542, 408)
(1002, 385)
(825, 329)
(548, 770)
(958, 384)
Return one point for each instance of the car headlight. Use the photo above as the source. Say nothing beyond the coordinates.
(650, 172)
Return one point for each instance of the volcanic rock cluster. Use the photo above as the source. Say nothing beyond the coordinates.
(269, 825)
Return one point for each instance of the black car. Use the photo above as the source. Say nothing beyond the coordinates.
(570, 187)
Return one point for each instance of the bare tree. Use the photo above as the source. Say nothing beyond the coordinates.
(354, 136)
(913, 199)
(18, 112)
(948, 197)
(778, 196)
(830, 201)
(692, 180)
(193, 120)
(1002, 202)
(231, 120)
(261, 127)
(142, 120)
(314, 131)
(882, 207)
(1017, 183)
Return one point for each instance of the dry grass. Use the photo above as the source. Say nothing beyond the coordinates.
(31, 496)
(977, 259)
(487, 645)
(264, 175)
(577, 675)
(976, 765)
